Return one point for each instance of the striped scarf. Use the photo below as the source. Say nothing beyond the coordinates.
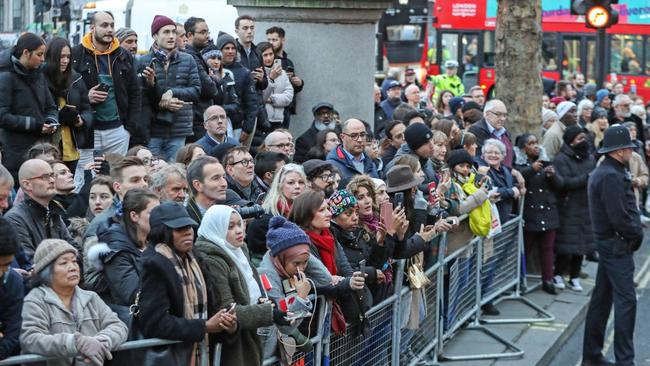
(194, 290)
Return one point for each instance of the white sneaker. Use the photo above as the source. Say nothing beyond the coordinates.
(574, 284)
(558, 282)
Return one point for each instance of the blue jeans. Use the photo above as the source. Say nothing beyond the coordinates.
(166, 148)
(113, 141)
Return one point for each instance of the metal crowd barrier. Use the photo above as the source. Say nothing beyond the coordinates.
(461, 282)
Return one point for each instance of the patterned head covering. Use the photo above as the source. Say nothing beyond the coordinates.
(340, 201)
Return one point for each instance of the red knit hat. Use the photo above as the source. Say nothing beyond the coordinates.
(160, 21)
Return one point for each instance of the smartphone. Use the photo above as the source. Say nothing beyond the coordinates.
(399, 199)
(231, 308)
(386, 214)
(70, 107)
(290, 69)
(97, 154)
(546, 163)
(277, 62)
(103, 87)
(288, 287)
(54, 124)
(431, 188)
(362, 263)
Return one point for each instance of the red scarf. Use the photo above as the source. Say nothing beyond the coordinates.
(284, 209)
(324, 242)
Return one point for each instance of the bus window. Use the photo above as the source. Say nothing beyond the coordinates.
(449, 47)
(571, 62)
(470, 51)
(431, 53)
(647, 56)
(404, 32)
(549, 51)
(488, 48)
(626, 54)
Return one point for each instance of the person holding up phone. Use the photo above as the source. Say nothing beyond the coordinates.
(233, 283)
(71, 95)
(279, 92)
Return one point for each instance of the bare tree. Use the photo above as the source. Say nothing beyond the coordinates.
(518, 63)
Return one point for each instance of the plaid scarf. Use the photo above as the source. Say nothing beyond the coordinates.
(194, 292)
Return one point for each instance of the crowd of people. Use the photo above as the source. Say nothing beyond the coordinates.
(164, 196)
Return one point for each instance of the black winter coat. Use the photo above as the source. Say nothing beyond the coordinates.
(244, 118)
(12, 293)
(182, 78)
(125, 84)
(162, 301)
(208, 91)
(574, 235)
(304, 143)
(25, 105)
(122, 264)
(77, 95)
(540, 205)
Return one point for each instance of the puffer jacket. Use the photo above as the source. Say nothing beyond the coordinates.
(208, 90)
(182, 78)
(277, 96)
(574, 235)
(49, 327)
(77, 95)
(246, 115)
(25, 105)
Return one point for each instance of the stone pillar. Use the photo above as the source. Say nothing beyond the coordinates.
(332, 44)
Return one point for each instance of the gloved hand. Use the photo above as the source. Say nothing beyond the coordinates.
(90, 348)
(279, 318)
(635, 244)
(106, 347)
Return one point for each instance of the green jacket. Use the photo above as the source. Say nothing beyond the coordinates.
(225, 286)
(443, 82)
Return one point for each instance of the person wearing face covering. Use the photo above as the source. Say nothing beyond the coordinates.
(567, 112)
(574, 238)
(230, 278)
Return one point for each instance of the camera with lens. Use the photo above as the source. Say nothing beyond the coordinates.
(250, 212)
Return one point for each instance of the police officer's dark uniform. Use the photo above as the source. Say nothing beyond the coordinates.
(618, 233)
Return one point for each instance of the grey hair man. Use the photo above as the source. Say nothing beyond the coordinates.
(170, 183)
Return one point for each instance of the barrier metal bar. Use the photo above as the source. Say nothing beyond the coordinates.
(398, 280)
(139, 344)
(543, 315)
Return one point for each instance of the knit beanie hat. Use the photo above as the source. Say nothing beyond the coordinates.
(547, 114)
(471, 105)
(459, 156)
(211, 51)
(284, 234)
(598, 112)
(340, 201)
(455, 104)
(416, 135)
(563, 108)
(589, 89)
(601, 94)
(160, 21)
(124, 33)
(571, 132)
(49, 250)
(557, 100)
(224, 39)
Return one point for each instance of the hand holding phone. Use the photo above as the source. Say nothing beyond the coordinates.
(386, 216)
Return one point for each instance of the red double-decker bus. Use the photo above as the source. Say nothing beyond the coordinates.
(463, 30)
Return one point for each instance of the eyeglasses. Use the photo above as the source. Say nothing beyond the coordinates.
(221, 117)
(499, 114)
(244, 162)
(203, 32)
(150, 161)
(356, 136)
(326, 177)
(46, 176)
(287, 145)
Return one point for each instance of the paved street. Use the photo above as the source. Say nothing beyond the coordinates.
(571, 351)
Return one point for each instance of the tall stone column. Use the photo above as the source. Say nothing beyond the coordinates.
(332, 44)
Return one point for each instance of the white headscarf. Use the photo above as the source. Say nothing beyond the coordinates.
(214, 227)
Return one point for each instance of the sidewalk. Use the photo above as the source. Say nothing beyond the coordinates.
(540, 341)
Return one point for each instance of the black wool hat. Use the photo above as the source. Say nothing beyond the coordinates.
(459, 156)
(571, 132)
(416, 135)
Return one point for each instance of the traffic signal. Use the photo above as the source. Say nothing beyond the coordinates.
(599, 14)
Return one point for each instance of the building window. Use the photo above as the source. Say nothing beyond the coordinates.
(17, 14)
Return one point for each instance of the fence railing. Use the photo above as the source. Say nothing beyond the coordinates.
(479, 272)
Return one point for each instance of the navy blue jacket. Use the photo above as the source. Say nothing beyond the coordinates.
(612, 204)
(245, 88)
(207, 143)
(12, 293)
(503, 181)
(340, 160)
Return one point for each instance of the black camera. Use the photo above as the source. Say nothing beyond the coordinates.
(250, 212)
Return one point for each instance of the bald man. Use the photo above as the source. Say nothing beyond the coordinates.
(215, 123)
(280, 141)
(37, 217)
(350, 157)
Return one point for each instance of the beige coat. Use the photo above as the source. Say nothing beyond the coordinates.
(49, 327)
(552, 140)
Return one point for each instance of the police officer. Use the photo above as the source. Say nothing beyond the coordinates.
(448, 81)
(618, 234)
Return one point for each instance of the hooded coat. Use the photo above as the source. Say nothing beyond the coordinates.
(25, 105)
(125, 84)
